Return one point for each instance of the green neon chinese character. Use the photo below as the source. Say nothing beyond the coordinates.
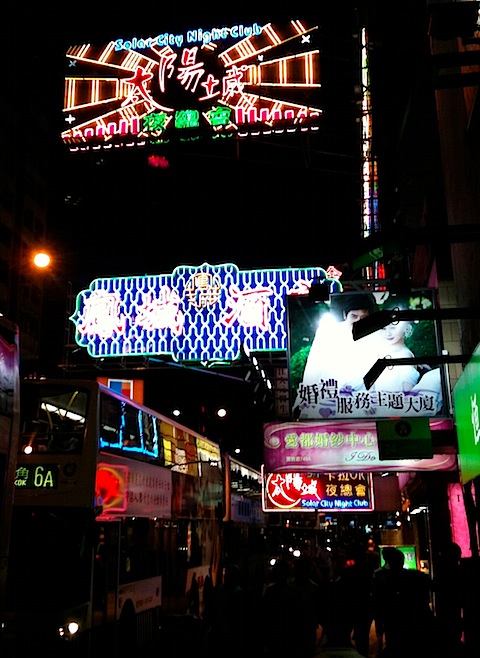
(155, 121)
(219, 116)
(187, 119)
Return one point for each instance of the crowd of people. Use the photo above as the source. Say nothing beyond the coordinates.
(312, 605)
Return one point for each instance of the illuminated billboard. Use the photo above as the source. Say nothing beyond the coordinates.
(221, 82)
(132, 488)
(197, 313)
(327, 367)
(409, 554)
(466, 402)
(317, 492)
(306, 447)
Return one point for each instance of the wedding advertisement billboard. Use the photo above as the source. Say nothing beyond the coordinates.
(327, 366)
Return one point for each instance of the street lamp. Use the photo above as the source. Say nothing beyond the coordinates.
(41, 259)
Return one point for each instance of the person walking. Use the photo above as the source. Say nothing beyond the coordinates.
(282, 624)
(231, 631)
(448, 590)
(401, 609)
(313, 603)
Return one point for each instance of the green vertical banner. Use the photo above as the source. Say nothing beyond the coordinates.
(466, 403)
(404, 439)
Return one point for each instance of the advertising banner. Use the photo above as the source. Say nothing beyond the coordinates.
(339, 446)
(466, 400)
(312, 492)
(327, 366)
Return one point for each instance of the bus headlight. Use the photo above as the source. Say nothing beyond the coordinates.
(69, 630)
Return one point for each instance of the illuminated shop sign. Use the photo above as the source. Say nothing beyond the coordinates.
(224, 82)
(317, 492)
(327, 367)
(466, 401)
(203, 313)
(341, 446)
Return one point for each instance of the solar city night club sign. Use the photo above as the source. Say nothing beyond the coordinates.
(198, 313)
(222, 82)
(312, 492)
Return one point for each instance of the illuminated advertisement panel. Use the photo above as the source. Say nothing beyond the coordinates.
(222, 82)
(409, 553)
(203, 313)
(466, 402)
(133, 489)
(327, 367)
(314, 492)
(339, 446)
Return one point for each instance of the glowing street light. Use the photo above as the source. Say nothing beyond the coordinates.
(41, 259)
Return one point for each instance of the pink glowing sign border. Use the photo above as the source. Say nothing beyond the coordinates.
(342, 446)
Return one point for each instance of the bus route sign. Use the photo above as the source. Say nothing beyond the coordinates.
(37, 476)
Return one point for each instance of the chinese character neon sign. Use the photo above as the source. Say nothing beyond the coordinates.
(312, 492)
(224, 82)
(198, 313)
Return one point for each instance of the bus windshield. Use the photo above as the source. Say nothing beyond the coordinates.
(55, 419)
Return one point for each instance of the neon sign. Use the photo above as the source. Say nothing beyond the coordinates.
(225, 82)
(341, 446)
(317, 492)
(197, 313)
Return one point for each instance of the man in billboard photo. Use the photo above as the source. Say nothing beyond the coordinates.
(334, 356)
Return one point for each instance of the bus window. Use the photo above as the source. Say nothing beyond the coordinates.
(151, 433)
(56, 423)
(140, 554)
(110, 421)
(131, 439)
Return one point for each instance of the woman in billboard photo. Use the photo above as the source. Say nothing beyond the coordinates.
(391, 345)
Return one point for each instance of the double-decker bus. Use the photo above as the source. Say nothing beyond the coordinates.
(9, 423)
(244, 527)
(116, 507)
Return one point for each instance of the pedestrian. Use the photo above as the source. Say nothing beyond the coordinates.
(312, 602)
(194, 597)
(448, 590)
(231, 628)
(208, 592)
(282, 625)
(401, 600)
(350, 612)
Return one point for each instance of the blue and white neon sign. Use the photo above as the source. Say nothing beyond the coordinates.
(197, 313)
